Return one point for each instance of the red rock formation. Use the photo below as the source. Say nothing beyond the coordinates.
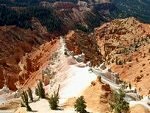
(123, 43)
(14, 44)
(80, 42)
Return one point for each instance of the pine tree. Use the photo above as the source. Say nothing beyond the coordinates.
(54, 100)
(41, 90)
(30, 94)
(117, 102)
(80, 105)
(25, 101)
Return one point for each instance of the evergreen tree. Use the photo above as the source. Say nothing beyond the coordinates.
(54, 100)
(25, 101)
(80, 105)
(41, 90)
(117, 102)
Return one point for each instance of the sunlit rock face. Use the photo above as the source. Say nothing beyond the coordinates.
(21, 42)
(122, 43)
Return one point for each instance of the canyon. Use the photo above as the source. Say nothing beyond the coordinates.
(123, 44)
(86, 47)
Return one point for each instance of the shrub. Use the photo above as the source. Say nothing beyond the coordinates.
(137, 60)
(117, 102)
(93, 83)
(41, 90)
(80, 105)
(53, 101)
(120, 62)
(25, 102)
(65, 53)
(130, 59)
(99, 79)
(30, 94)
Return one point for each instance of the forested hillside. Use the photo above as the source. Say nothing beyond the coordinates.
(22, 17)
(57, 15)
(136, 8)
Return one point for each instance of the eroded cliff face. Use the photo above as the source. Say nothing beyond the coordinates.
(77, 16)
(80, 42)
(124, 44)
(15, 45)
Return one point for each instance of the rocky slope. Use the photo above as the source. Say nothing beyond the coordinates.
(124, 44)
(96, 96)
(139, 109)
(15, 45)
(81, 16)
(80, 42)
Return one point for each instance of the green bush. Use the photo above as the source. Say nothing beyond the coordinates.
(53, 101)
(117, 102)
(41, 90)
(25, 102)
(80, 105)
(120, 62)
(22, 18)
